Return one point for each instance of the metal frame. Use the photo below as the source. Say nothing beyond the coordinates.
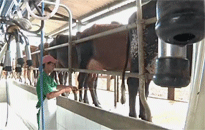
(141, 74)
(112, 31)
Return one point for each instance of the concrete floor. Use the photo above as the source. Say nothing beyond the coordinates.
(14, 121)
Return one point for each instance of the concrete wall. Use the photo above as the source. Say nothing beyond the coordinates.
(2, 91)
(24, 102)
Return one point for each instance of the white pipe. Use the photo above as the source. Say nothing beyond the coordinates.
(46, 17)
(141, 62)
(69, 40)
(195, 118)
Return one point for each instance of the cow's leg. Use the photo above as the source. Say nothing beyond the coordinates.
(85, 85)
(81, 79)
(142, 110)
(54, 75)
(65, 77)
(61, 80)
(29, 75)
(95, 89)
(60, 76)
(35, 76)
(133, 85)
(19, 76)
(66, 74)
(91, 79)
(25, 76)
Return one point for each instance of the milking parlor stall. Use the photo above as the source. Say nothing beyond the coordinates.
(137, 64)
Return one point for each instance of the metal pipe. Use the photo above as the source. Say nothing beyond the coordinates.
(69, 37)
(115, 91)
(141, 61)
(170, 50)
(114, 73)
(172, 66)
(41, 74)
(2, 6)
(197, 78)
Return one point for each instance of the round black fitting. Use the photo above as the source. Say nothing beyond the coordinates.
(29, 62)
(180, 22)
(18, 69)
(20, 61)
(8, 68)
(172, 72)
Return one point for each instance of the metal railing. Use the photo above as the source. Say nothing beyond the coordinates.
(141, 75)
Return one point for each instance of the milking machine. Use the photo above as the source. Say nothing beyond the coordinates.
(14, 26)
(179, 23)
(13, 32)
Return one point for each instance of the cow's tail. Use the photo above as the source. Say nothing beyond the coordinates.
(123, 97)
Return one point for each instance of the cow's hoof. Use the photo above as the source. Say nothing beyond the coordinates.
(98, 105)
(123, 100)
(86, 101)
(132, 115)
(144, 117)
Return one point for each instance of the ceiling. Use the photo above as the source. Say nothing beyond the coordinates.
(81, 12)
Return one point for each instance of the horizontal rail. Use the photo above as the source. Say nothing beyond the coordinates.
(114, 73)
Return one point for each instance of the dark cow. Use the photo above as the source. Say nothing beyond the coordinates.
(61, 54)
(150, 48)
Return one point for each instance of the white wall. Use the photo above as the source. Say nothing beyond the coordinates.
(68, 120)
(24, 102)
(2, 92)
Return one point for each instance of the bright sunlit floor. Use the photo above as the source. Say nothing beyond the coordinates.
(14, 121)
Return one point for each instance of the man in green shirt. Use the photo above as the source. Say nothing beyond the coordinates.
(51, 90)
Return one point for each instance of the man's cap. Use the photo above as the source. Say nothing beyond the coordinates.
(49, 58)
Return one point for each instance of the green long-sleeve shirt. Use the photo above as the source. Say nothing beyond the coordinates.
(49, 85)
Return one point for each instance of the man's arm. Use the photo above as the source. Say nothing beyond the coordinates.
(59, 92)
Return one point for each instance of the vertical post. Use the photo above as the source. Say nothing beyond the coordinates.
(118, 90)
(170, 95)
(70, 52)
(70, 45)
(141, 60)
(115, 91)
(108, 82)
(41, 70)
(195, 114)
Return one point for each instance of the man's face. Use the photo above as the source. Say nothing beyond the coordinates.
(50, 66)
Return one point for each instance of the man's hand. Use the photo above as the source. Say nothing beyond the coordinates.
(68, 89)
(74, 88)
